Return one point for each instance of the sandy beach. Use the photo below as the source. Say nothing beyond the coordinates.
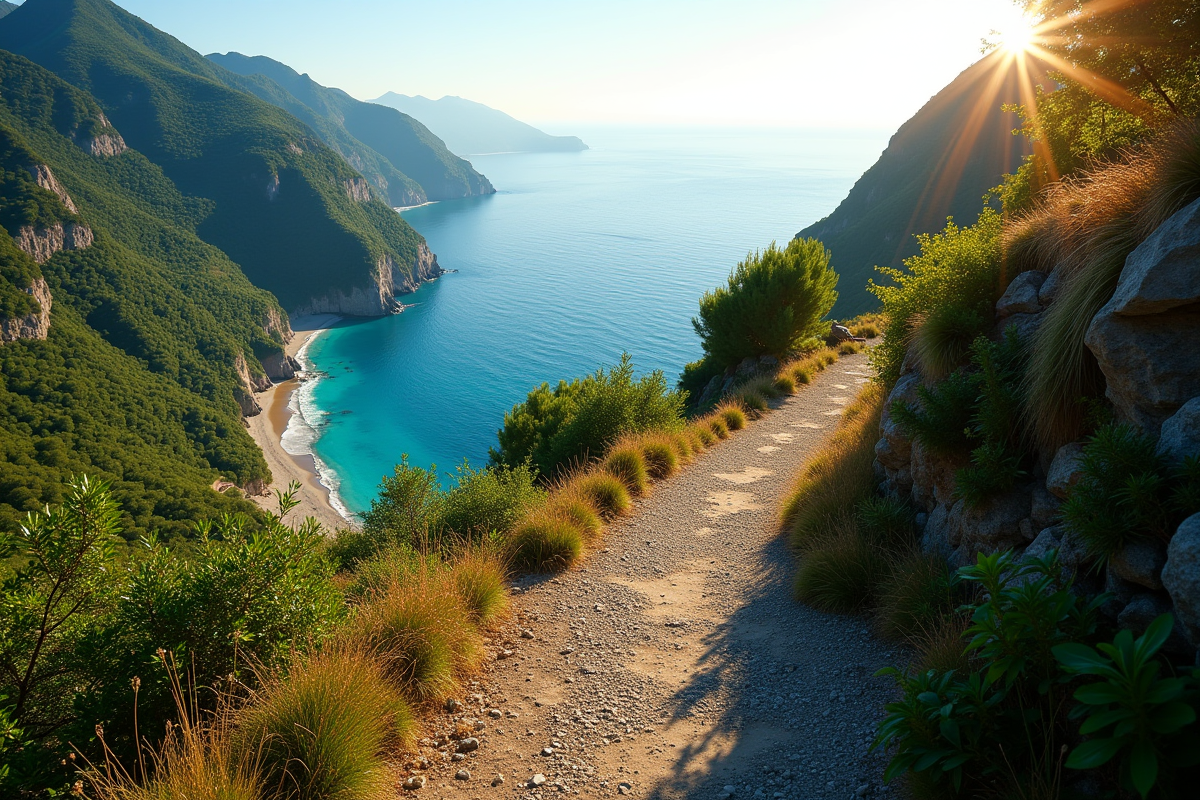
(267, 431)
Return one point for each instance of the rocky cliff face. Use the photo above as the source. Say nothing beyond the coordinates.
(31, 326)
(358, 190)
(45, 179)
(42, 243)
(1145, 341)
(380, 299)
(106, 143)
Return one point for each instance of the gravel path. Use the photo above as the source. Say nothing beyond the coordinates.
(674, 662)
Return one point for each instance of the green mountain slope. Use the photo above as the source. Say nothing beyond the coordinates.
(939, 163)
(469, 127)
(296, 217)
(389, 148)
(139, 339)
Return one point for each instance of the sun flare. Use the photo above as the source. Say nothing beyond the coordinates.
(1017, 35)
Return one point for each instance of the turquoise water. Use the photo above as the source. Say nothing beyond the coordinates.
(577, 258)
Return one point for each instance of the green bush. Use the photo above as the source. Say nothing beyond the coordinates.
(958, 267)
(1127, 492)
(490, 500)
(942, 419)
(407, 511)
(578, 421)
(773, 300)
(889, 520)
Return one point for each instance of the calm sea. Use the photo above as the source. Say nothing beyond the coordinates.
(577, 258)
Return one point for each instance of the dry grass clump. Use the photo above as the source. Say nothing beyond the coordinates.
(850, 348)
(785, 384)
(841, 569)
(628, 465)
(943, 338)
(321, 729)
(570, 503)
(479, 575)
(840, 475)
(704, 435)
(916, 594)
(546, 543)
(1085, 227)
(605, 492)
(422, 634)
(660, 456)
(940, 646)
(754, 402)
(718, 426)
(734, 416)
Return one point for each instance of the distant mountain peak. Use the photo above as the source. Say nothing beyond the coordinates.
(471, 128)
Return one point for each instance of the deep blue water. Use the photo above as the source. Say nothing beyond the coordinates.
(577, 258)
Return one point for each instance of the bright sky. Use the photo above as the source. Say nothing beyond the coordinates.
(803, 63)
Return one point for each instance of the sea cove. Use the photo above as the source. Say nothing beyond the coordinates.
(578, 258)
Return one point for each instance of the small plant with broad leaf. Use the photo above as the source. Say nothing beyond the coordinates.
(1134, 713)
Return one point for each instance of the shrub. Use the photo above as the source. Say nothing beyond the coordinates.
(546, 543)
(735, 418)
(994, 470)
(840, 571)
(580, 420)
(942, 419)
(422, 635)
(322, 729)
(490, 500)
(839, 475)
(802, 375)
(628, 465)
(1085, 227)
(959, 266)
(717, 425)
(943, 339)
(866, 331)
(849, 348)
(914, 598)
(660, 456)
(479, 576)
(606, 493)
(773, 300)
(388, 568)
(407, 510)
(1126, 491)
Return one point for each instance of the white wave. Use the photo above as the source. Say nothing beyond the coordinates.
(304, 428)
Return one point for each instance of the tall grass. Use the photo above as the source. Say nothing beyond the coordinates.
(605, 492)
(323, 727)
(628, 465)
(1085, 227)
(544, 543)
(479, 575)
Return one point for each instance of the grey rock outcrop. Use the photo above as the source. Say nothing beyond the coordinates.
(1180, 434)
(380, 298)
(45, 179)
(42, 243)
(1136, 337)
(1021, 296)
(1049, 289)
(1064, 470)
(1140, 562)
(358, 190)
(106, 143)
(35, 325)
(1181, 576)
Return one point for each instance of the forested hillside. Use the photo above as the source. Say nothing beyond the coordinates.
(136, 378)
(398, 154)
(938, 164)
(275, 198)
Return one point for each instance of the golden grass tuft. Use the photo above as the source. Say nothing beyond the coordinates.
(422, 634)
(545, 543)
(606, 493)
(718, 426)
(1085, 227)
(479, 575)
(321, 730)
(659, 454)
(785, 383)
(704, 434)
(754, 402)
(734, 416)
(839, 475)
(627, 464)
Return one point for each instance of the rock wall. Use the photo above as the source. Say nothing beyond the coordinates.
(31, 326)
(45, 179)
(42, 243)
(1147, 341)
(105, 144)
(380, 299)
(358, 190)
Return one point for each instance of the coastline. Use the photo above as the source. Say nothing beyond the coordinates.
(268, 427)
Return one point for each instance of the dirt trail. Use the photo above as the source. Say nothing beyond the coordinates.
(674, 662)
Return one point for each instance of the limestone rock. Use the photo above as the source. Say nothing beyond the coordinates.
(1179, 436)
(379, 299)
(107, 143)
(358, 190)
(1050, 287)
(44, 178)
(938, 532)
(933, 476)
(993, 526)
(42, 243)
(1021, 296)
(1144, 608)
(1181, 576)
(1045, 507)
(1072, 553)
(1026, 325)
(1136, 337)
(1043, 544)
(1121, 593)
(1064, 470)
(1161, 273)
(280, 366)
(1140, 562)
(35, 325)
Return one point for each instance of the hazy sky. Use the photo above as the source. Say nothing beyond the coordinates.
(826, 63)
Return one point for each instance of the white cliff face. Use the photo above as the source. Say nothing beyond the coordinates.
(45, 179)
(380, 299)
(35, 325)
(106, 144)
(42, 243)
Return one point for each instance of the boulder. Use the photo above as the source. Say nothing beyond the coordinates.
(992, 526)
(1149, 374)
(1181, 576)
(1026, 325)
(1021, 296)
(932, 476)
(1136, 337)
(1144, 608)
(1050, 287)
(1161, 274)
(1140, 562)
(894, 448)
(1045, 507)
(1064, 470)
(937, 533)
(1179, 436)
(1120, 592)
(1043, 544)
(1073, 554)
